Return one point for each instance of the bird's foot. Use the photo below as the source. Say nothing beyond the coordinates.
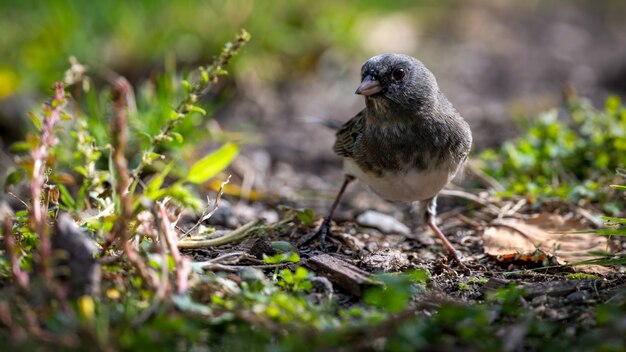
(456, 257)
(322, 232)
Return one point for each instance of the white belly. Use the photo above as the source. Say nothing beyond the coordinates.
(409, 186)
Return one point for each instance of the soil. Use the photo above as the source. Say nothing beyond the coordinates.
(354, 253)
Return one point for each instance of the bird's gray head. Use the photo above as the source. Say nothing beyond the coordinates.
(397, 82)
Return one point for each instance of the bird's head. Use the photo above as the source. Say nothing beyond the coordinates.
(398, 82)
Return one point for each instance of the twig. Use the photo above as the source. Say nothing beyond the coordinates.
(119, 140)
(235, 235)
(481, 175)
(236, 255)
(182, 265)
(517, 207)
(587, 215)
(51, 116)
(26, 205)
(470, 197)
(160, 243)
(235, 268)
(469, 221)
(216, 205)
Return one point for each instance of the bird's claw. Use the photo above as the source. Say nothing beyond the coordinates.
(322, 233)
(457, 259)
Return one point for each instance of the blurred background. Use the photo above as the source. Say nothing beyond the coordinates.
(493, 59)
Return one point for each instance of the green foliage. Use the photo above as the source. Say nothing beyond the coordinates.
(306, 216)
(213, 163)
(123, 35)
(80, 164)
(397, 290)
(287, 257)
(295, 281)
(581, 276)
(572, 160)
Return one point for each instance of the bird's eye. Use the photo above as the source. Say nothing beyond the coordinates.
(398, 74)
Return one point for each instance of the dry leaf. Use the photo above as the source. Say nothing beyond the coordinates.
(540, 236)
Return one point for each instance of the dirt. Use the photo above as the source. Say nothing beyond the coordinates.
(355, 253)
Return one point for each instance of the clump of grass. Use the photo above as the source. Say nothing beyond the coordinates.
(132, 226)
(572, 160)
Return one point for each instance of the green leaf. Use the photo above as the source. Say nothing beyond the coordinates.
(602, 261)
(149, 157)
(175, 115)
(186, 304)
(614, 220)
(36, 121)
(81, 170)
(284, 247)
(66, 197)
(282, 258)
(213, 163)
(21, 147)
(156, 182)
(177, 136)
(198, 110)
(14, 177)
(418, 275)
(306, 216)
(179, 193)
(301, 273)
(147, 136)
(186, 85)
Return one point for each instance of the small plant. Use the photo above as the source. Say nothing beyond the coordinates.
(296, 280)
(79, 164)
(571, 160)
(476, 281)
(462, 286)
(581, 276)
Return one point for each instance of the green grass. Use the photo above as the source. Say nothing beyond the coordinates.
(139, 37)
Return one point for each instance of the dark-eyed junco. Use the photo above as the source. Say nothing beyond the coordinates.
(407, 143)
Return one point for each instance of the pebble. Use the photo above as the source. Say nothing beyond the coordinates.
(539, 300)
(578, 296)
(383, 222)
(389, 260)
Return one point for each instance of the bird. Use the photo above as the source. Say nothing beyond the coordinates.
(407, 143)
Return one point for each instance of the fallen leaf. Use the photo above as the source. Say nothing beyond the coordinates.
(543, 236)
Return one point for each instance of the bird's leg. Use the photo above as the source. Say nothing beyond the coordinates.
(325, 226)
(430, 213)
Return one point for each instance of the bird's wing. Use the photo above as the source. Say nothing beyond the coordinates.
(348, 134)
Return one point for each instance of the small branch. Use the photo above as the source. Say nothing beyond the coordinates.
(39, 155)
(182, 265)
(470, 197)
(216, 205)
(235, 268)
(486, 179)
(236, 235)
(119, 141)
(233, 258)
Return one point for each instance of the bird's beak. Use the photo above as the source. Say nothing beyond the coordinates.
(369, 86)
